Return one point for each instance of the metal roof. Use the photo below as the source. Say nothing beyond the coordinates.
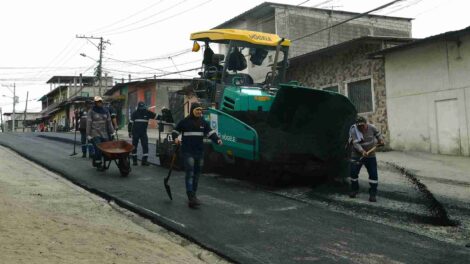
(349, 43)
(70, 79)
(450, 35)
(119, 85)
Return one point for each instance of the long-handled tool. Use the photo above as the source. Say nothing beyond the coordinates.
(367, 153)
(165, 182)
(74, 143)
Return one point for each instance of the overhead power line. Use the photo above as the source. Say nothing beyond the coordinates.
(398, 8)
(350, 19)
(135, 64)
(126, 18)
(166, 74)
(163, 19)
(143, 19)
(36, 67)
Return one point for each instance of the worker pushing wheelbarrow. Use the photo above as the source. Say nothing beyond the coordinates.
(98, 131)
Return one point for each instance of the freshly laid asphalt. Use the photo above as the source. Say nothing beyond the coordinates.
(237, 220)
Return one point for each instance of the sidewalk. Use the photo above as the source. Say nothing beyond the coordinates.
(47, 219)
(447, 176)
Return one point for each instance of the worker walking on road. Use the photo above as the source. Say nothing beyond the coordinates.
(98, 129)
(137, 129)
(364, 138)
(192, 130)
(112, 113)
(82, 128)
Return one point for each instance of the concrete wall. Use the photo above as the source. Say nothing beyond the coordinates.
(345, 66)
(428, 97)
(294, 22)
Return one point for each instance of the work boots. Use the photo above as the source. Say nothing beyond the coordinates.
(100, 167)
(144, 161)
(84, 155)
(193, 202)
(134, 160)
(353, 194)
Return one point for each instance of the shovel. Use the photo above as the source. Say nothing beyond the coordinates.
(167, 187)
(368, 152)
(74, 143)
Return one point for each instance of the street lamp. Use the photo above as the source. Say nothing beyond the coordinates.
(15, 101)
(99, 70)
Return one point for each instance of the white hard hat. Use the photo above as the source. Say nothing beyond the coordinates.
(98, 98)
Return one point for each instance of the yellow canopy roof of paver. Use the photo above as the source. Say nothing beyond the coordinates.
(253, 37)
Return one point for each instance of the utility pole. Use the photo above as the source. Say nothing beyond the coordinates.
(1, 118)
(14, 104)
(25, 111)
(100, 47)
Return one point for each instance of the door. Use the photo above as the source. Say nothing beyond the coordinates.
(448, 128)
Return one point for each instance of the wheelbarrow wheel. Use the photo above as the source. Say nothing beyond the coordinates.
(124, 166)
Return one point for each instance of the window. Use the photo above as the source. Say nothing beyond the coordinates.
(84, 94)
(360, 94)
(148, 98)
(331, 88)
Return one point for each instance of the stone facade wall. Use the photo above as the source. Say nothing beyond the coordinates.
(341, 68)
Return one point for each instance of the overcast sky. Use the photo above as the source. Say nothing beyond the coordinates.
(39, 37)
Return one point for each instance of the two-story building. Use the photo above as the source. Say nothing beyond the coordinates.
(309, 28)
(67, 94)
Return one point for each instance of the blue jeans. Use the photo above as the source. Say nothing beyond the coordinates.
(97, 158)
(193, 166)
(371, 166)
(86, 145)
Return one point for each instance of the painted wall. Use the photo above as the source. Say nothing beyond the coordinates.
(136, 93)
(428, 97)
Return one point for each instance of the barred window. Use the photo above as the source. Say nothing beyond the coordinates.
(360, 94)
(331, 88)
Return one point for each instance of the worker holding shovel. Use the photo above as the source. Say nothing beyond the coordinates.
(193, 129)
(365, 138)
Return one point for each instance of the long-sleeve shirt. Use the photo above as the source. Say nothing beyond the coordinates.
(139, 121)
(192, 134)
(369, 139)
(98, 123)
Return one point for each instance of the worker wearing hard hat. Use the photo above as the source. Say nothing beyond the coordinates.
(98, 129)
(365, 138)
